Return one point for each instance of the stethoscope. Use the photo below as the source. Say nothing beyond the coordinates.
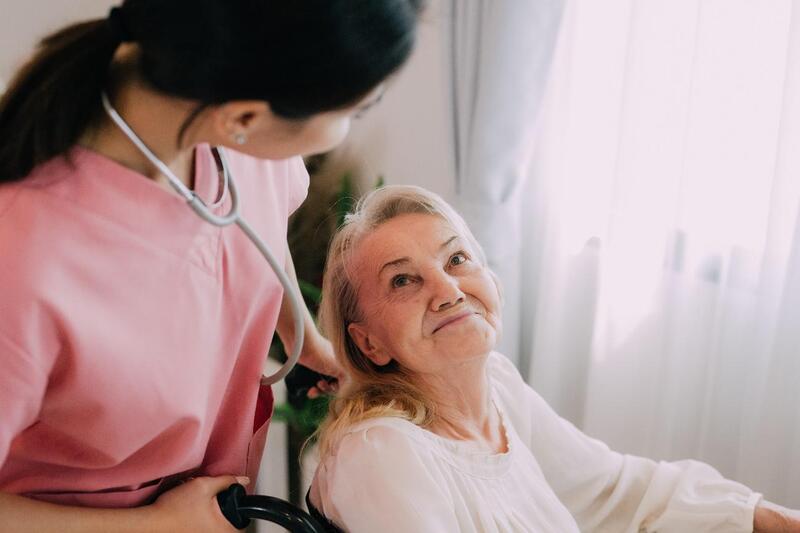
(232, 217)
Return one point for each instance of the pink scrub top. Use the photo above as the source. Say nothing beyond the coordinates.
(132, 333)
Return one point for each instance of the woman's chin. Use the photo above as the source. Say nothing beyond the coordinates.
(470, 344)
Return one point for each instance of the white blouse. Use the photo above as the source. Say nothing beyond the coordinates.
(389, 475)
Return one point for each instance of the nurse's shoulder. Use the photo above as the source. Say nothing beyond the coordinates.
(266, 181)
(38, 226)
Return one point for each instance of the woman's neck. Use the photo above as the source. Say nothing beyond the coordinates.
(156, 119)
(465, 410)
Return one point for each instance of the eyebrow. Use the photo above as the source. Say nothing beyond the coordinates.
(406, 260)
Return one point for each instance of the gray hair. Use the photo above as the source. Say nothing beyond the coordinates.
(373, 390)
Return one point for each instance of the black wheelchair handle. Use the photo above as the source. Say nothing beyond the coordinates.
(239, 508)
(229, 501)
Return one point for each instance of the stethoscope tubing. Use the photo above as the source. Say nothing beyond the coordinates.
(230, 218)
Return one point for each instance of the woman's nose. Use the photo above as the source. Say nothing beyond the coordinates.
(446, 292)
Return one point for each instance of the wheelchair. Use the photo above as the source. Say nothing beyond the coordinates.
(240, 508)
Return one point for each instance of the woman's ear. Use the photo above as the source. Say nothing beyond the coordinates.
(361, 337)
(238, 119)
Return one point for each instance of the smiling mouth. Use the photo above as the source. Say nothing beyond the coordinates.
(457, 318)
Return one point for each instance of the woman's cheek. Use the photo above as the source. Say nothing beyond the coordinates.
(335, 133)
(497, 323)
(493, 290)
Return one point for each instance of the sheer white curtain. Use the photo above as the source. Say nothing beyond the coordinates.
(501, 52)
(661, 266)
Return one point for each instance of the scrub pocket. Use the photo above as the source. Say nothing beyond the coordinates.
(261, 419)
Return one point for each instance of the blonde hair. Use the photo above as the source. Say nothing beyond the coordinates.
(373, 390)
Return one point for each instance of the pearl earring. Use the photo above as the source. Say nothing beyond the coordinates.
(240, 138)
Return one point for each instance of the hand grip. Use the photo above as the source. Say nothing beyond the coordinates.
(299, 381)
(228, 501)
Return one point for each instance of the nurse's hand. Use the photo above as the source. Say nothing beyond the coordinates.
(318, 355)
(192, 506)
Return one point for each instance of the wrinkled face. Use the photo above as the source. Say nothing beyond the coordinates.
(426, 300)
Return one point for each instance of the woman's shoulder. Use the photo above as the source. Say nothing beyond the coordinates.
(380, 463)
(288, 175)
(368, 444)
(14, 195)
(9, 193)
(380, 433)
(502, 371)
(517, 399)
(508, 383)
(32, 225)
(276, 167)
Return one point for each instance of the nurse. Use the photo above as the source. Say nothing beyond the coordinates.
(133, 333)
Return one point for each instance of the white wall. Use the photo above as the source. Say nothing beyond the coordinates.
(23, 24)
(407, 138)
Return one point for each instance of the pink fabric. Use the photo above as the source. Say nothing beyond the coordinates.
(132, 333)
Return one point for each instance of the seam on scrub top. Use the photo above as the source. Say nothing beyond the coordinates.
(218, 255)
(130, 232)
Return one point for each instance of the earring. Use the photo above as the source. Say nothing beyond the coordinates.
(240, 138)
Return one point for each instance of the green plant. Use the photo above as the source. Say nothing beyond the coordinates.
(304, 414)
(307, 418)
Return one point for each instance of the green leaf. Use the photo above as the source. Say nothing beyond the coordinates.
(310, 291)
(307, 419)
(285, 413)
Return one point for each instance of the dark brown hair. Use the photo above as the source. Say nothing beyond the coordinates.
(302, 56)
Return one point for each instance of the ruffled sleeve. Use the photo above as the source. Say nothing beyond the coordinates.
(380, 479)
(298, 183)
(29, 340)
(22, 385)
(610, 492)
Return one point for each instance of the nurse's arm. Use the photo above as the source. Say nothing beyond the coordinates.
(317, 353)
(22, 515)
(189, 508)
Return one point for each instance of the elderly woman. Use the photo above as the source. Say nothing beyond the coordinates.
(436, 432)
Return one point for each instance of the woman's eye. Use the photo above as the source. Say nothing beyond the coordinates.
(400, 280)
(458, 258)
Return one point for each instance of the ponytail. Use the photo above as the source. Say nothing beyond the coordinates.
(54, 98)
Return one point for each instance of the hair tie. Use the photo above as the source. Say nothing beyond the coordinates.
(119, 28)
